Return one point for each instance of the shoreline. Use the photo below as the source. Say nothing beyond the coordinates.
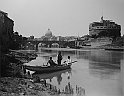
(86, 49)
(109, 48)
(70, 49)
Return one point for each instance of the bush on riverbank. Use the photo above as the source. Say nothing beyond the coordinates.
(10, 66)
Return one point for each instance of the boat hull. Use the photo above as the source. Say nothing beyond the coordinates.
(40, 69)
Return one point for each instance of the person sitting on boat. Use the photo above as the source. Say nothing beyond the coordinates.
(51, 62)
(68, 61)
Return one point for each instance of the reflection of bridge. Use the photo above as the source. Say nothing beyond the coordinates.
(60, 44)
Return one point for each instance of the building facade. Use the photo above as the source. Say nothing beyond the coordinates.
(105, 28)
(6, 30)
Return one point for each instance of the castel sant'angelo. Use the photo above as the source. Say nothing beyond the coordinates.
(106, 28)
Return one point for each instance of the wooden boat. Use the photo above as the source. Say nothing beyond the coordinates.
(45, 69)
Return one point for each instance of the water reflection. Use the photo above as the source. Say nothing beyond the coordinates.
(101, 63)
(69, 90)
(97, 71)
(106, 57)
(50, 76)
(59, 79)
(100, 56)
(83, 54)
(103, 71)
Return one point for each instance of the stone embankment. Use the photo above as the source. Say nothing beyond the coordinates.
(105, 47)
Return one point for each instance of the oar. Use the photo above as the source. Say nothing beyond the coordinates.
(73, 61)
(69, 63)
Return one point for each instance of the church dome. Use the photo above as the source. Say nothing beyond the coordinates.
(48, 33)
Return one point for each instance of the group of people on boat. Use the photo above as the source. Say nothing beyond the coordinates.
(59, 60)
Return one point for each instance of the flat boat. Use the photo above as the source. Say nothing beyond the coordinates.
(47, 69)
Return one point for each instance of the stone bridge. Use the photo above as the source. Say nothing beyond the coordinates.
(60, 44)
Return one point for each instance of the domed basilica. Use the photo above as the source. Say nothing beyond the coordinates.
(48, 33)
(48, 36)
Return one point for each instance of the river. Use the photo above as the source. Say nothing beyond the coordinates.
(97, 72)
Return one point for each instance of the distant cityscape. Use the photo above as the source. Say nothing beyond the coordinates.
(100, 33)
(105, 32)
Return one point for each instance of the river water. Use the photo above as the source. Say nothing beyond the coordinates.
(97, 72)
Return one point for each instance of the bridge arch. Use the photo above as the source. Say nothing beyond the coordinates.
(29, 46)
(55, 45)
(41, 44)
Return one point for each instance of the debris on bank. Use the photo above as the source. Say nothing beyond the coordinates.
(11, 86)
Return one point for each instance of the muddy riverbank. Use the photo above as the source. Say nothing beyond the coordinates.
(10, 86)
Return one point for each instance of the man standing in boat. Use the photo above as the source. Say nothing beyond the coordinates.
(59, 58)
(51, 62)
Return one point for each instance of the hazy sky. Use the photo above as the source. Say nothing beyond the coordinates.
(63, 17)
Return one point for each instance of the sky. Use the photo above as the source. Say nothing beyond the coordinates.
(62, 17)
